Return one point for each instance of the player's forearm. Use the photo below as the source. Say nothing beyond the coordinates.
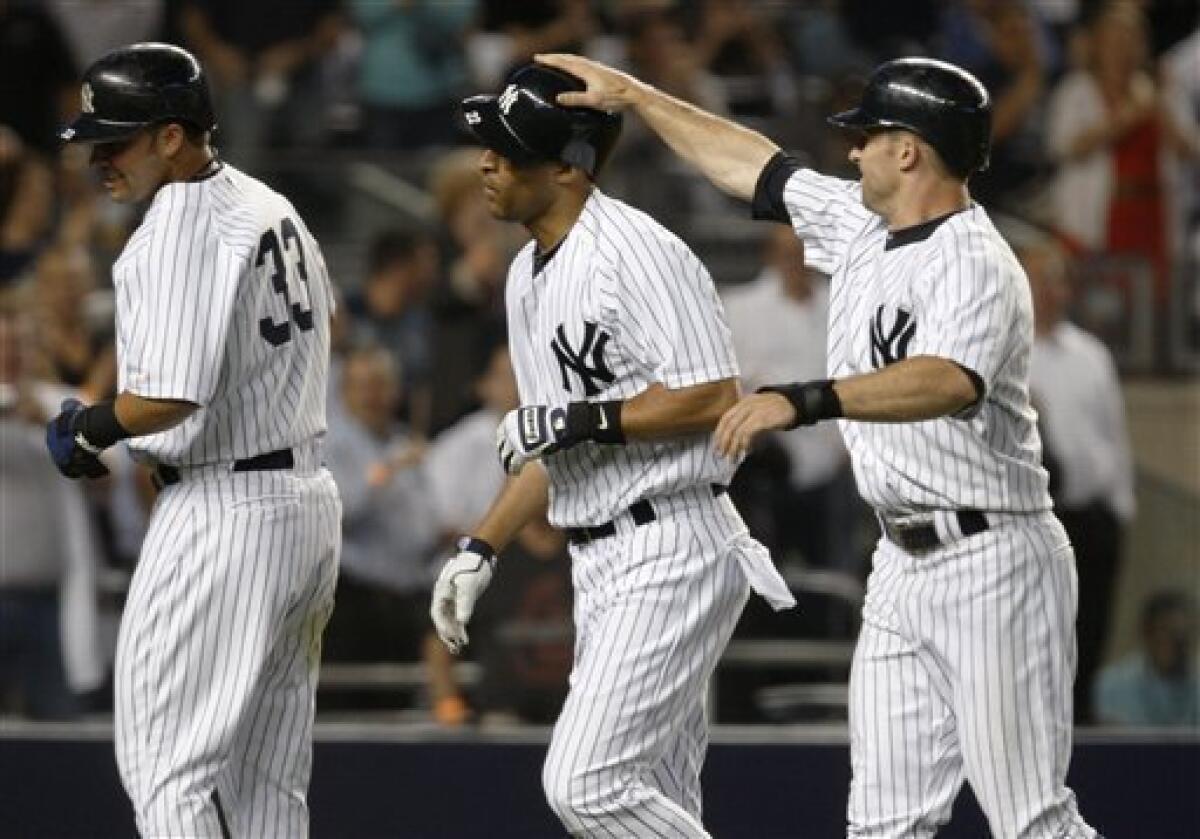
(729, 155)
(139, 415)
(919, 388)
(524, 497)
(107, 423)
(660, 412)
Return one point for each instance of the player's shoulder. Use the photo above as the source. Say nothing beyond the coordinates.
(969, 243)
(624, 235)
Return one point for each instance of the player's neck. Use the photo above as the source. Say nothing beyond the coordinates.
(552, 226)
(926, 200)
(193, 162)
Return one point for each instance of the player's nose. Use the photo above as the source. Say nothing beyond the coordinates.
(488, 160)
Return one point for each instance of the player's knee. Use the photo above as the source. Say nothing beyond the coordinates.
(579, 796)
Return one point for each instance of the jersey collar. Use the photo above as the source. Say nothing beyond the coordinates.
(918, 232)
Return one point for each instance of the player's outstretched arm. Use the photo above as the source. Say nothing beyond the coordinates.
(915, 389)
(466, 575)
(729, 155)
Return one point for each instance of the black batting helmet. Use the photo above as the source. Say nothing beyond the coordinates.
(140, 85)
(943, 104)
(525, 124)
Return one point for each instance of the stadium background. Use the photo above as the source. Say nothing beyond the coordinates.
(347, 107)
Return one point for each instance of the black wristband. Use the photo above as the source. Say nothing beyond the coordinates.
(99, 425)
(596, 421)
(812, 401)
(478, 546)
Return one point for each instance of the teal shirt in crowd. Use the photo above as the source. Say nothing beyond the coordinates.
(1129, 692)
(412, 52)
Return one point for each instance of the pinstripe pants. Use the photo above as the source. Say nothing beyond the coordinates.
(218, 652)
(964, 668)
(654, 608)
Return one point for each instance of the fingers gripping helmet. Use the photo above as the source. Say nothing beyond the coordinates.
(140, 85)
(525, 124)
(943, 104)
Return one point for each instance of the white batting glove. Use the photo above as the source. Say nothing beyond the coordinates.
(458, 587)
(534, 431)
(526, 434)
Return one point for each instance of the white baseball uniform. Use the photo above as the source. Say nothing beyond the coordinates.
(967, 652)
(223, 300)
(619, 304)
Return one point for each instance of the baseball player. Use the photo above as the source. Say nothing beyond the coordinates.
(623, 365)
(967, 652)
(223, 306)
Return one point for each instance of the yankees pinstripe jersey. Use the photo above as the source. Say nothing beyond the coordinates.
(950, 288)
(619, 304)
(223, 299)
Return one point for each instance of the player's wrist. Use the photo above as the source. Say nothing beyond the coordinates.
(475, 545)
(99, 427)
(599, 422)
(812, 401)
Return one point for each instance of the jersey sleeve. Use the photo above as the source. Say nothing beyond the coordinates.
(969, 303)
(185, 282)
(826, 212)
(670, 316)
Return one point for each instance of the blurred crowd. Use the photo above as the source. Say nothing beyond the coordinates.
(1095, 177)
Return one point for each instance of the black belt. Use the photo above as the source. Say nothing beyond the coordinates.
(166, 475)
(641, 511)
(924, 536)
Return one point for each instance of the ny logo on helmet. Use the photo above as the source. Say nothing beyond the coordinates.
(85, 93)
(589, 370)
(508, 98)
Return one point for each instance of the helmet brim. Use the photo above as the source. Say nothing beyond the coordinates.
(86, 128)
(482, 119)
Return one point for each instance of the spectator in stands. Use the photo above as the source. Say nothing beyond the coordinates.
(1181, 72)
(1157, 685)
(38, 79)
(26, 203)
(412, 68)
(779, 322)
(262, 59)
(95, 27)
(660, 53)
(80, 356)
(389, 531)
(1107, 128)
(1073, 382)
(392, 309)
(736, 42)
(525, 652)
(468, 303)
(514, 32)
(1003, 43)
(48, 643)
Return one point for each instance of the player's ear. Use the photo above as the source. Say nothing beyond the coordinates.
(170, 139)
(909, 150)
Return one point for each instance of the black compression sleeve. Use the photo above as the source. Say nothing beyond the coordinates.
(768, 192)
(100, 427)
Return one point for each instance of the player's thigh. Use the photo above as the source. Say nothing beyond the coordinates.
(905, 764)
(1013, 682)
(652, 639)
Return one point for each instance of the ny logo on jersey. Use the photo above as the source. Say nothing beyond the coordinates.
(892, 346)
(587, 362)
(508, 98)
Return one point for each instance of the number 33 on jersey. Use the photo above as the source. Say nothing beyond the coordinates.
(222, 295)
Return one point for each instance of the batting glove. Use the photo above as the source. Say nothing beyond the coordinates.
(458, 587)
(71, 452)
(534, 431)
